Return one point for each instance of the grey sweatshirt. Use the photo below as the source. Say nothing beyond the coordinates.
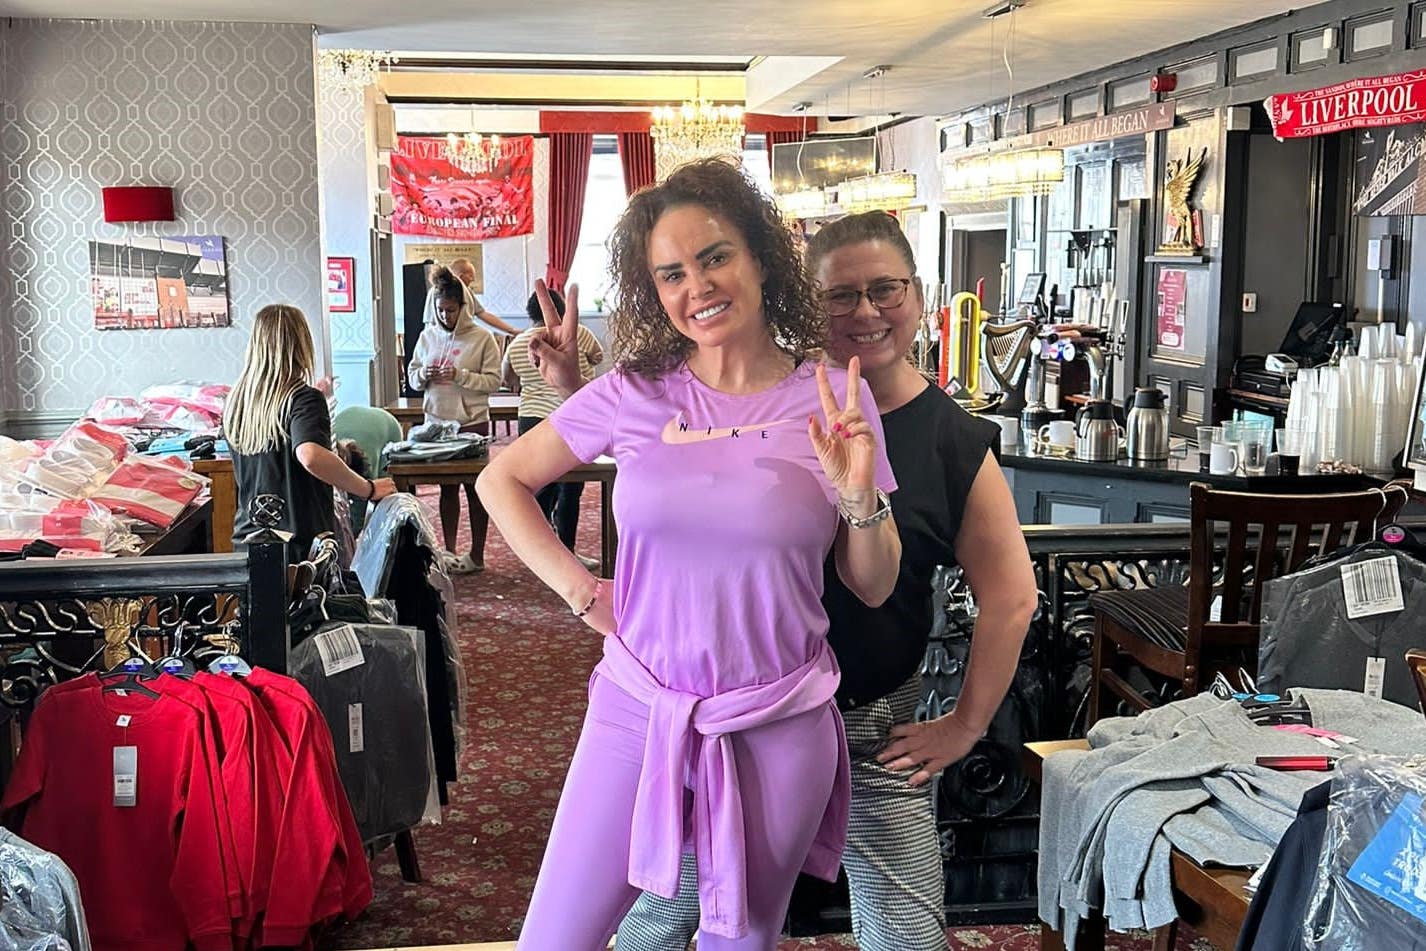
(1186, 772)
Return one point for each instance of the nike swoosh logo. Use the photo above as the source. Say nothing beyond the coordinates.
(677, 433)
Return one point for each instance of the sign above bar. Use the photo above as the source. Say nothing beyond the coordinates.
(1140, 121)
(1355, 104)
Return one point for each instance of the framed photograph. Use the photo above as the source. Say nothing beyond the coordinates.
(341, 285)
(159, 283)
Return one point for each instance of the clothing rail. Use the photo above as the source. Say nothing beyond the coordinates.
(54, 614)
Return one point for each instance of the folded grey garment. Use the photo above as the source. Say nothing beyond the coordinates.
(1160, 722)
(1210, 837)
(1152, 911)
(433, 431)
(1133, 829)
(1259, 801)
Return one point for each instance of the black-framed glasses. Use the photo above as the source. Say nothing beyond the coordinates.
(884, 295)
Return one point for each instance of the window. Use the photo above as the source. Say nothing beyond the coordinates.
(604, 202)
(1310, 49)
(1251, 61)
(1129, 92)
(1083, 105)
(1370, 36)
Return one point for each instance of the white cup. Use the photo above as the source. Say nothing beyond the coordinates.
(1009, 431)
(1223, 458)
(1058, 433)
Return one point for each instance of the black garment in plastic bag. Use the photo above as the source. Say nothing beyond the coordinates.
(369, 682)
(396, 560)
(1308, 639)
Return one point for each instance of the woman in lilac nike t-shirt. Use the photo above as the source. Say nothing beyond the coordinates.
(711, 725)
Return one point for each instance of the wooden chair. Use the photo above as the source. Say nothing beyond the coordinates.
(1168, 630)
(1416, 660)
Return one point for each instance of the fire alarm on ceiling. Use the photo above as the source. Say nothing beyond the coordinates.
(1163, 82)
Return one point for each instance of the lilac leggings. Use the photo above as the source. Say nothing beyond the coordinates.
(785, 770)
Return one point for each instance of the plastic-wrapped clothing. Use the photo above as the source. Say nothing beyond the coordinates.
(396, 559)
(40, 906)
(1309, 641)
(1369, 892)
(1274, 920)
(376, 710)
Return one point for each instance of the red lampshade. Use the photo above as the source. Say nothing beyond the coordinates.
(138, 203)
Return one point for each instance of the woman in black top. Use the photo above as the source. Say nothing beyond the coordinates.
(281, 434)
(952, 506)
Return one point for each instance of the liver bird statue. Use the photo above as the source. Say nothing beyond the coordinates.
(1179, 178)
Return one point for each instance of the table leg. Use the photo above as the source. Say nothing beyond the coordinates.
(1091, 936)
(404, 484)
(608, 534)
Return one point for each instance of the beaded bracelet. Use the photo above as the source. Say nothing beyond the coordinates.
(598, 590)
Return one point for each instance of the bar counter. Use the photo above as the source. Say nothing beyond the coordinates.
(1060, 490)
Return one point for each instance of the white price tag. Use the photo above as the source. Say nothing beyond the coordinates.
(126, 776)
(339, 650)
(1372, 587)
(1215, 610)
(124, 720)
(1376, 677)
(356, 735)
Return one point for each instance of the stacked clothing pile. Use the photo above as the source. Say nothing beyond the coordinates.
(88, 491)
(1184, 776)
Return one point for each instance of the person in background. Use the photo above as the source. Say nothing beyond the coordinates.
(559, 501)
(742, 464)
(457, 365)
(371, 429)
(280, 432)
(952, 506)
(465, 270)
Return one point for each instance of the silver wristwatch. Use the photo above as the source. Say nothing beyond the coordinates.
(882, 513)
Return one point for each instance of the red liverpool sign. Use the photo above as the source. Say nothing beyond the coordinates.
(1355, 104)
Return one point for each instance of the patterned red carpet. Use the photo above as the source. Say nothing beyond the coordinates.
(528, 662)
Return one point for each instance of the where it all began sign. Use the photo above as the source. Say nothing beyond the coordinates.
(1355, 104)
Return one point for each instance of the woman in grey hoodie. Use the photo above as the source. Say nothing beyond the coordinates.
(457, 366)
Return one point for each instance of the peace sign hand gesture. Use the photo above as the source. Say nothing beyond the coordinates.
(847, 447)
(554, 348)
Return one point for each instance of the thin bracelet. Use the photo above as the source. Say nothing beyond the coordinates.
(598, 590)
(370, 490)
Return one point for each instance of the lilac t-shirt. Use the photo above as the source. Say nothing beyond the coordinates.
(725, 518)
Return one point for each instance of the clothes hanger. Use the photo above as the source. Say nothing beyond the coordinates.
(129, 673)
(230, 664)
(176, 663)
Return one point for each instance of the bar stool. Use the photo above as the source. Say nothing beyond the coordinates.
(1170, 631)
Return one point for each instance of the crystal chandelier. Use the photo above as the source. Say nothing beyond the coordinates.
(804, 203)
(351, 70)
(695, 130)
(885, 191)
(1017, 174)
(473, 153)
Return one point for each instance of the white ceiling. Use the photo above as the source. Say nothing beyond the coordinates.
(941, 51)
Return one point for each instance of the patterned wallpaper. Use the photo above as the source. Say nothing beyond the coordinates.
(347, 161)
(224, 113)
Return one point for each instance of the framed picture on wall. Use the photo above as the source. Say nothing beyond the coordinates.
(341, 285)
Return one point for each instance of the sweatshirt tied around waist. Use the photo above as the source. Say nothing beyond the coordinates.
(718, 829)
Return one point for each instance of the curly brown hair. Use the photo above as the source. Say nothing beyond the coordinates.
(645, 340)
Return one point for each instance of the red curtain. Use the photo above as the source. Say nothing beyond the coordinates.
(569, 173)
(782, 137)
(636, 155)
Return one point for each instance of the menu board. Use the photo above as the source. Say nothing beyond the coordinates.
(1173, 299)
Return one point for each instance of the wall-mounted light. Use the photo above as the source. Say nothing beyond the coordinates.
(138, 203)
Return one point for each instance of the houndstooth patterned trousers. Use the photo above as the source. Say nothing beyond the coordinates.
(892, 858)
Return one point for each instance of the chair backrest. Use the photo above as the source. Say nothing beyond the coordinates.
(371, 428)
(1269, 536)
(1416, 660)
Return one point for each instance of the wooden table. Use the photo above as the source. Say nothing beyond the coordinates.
(1211, 900)
(190, 534)
(409, 411)
(408, 475)
(223, 487)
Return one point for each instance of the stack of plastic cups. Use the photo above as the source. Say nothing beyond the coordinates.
(1302, 414)
(1329, 408)
(1383, 424)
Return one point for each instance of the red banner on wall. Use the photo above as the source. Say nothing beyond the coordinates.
(1355, 104)
(431, 196)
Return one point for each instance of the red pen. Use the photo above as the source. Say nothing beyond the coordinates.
(1320, 764)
